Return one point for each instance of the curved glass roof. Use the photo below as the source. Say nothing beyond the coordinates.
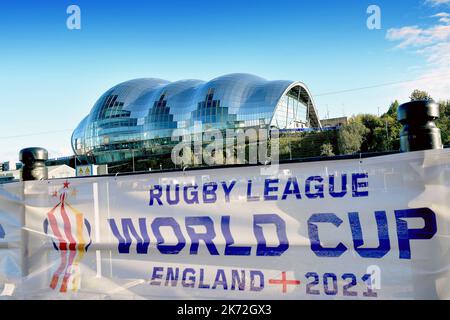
(143, 113)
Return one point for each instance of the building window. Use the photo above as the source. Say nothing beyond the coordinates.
(211, 111)
(112, 108)
(159, 116)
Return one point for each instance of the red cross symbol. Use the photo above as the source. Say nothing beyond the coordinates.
(66, 184)
(284, 281)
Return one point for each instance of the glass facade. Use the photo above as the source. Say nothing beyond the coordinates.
(137, 117)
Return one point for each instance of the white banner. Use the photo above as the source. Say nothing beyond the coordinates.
(374, 228)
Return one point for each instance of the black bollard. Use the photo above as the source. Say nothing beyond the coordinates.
(419, 131)
(33, 160)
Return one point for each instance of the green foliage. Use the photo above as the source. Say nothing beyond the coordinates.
(327, 150)
(420, 95)
(392, 112)
(363, 133)
(383, 133)
(443, 122)
(306, 144)
(371, 141)
(369, 133)
(390, 133)
(352, 136)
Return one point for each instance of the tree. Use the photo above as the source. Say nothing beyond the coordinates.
(351, 137)
(420, 95)
(443, 122)
(389, 135)
(392, 112)
(327, 150)
(371, 122)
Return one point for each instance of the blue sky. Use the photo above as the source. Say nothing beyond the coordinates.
(51, 76)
